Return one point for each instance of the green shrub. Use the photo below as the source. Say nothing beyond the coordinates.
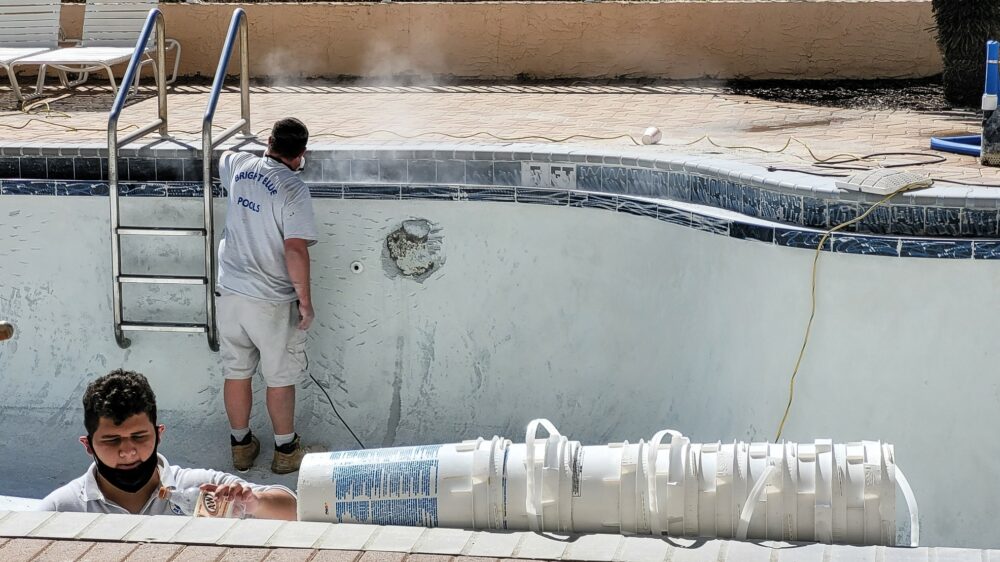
(963, 27)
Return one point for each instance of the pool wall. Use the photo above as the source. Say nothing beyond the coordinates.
(610, 322)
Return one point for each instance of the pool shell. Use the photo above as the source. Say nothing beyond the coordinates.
(784, 208)
(618, 316)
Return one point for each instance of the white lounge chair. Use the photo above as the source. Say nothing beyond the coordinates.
(110, 30)
(27, 27)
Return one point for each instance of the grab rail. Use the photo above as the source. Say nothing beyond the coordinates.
(238, 25)
(154, 19)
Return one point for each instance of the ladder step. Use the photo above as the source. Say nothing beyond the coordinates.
(164, 279)
(160, 231)
(164, 327)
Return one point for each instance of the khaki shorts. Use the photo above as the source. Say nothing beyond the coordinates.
(255, 333)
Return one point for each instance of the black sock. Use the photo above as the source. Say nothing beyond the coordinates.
(288, 447)
(246, 440)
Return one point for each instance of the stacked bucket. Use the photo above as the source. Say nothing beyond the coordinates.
(820, 491)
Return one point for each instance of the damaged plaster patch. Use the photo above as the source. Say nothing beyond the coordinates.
(414, 250)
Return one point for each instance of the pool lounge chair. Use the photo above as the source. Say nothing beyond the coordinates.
(110, 30)
(27, 27)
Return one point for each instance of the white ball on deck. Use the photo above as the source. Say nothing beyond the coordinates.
(651, 135)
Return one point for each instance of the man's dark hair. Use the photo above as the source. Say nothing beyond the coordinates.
(288, 137)
(118, 396)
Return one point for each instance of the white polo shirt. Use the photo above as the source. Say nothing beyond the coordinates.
(83, 494)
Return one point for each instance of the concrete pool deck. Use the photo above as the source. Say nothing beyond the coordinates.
(503, 113)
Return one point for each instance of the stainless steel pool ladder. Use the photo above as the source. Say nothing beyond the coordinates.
(155, 18)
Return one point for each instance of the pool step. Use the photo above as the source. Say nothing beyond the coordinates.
(164, 327)
(164, 279)
(160, 231)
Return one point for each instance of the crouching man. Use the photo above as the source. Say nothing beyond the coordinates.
(119, 412)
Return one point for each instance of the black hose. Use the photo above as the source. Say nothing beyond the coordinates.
(776, 169)
(332, 405)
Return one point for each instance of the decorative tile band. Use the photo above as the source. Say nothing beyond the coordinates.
(747, 190)
(754, 231)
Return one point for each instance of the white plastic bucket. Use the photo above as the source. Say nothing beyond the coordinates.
(820, 491)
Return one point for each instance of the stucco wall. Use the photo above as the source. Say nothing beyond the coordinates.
(677, 40)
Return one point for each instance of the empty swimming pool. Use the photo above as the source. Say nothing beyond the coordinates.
(613, 296)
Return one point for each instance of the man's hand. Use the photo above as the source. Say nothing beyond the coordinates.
(235, 492)
(306, 313)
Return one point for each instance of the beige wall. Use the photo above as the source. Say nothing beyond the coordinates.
(680, 40)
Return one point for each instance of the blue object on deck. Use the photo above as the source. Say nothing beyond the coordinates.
(989, 154)
(972, 145)
(969, 145)
(992, 88)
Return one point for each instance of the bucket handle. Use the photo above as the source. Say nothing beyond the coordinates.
(911, 506)
(751, 504)
(532, 500)
(652, 451)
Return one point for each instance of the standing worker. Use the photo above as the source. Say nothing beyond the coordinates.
(264, 302)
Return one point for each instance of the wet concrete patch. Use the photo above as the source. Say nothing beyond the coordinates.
(414, 250)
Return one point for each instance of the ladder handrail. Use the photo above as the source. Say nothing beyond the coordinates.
(238, 25)
(154, 19)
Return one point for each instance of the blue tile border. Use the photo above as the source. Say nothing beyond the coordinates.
(673, 216)
(637, 208)
(752, 231)
(986, 249)
(542, 196)
(931, 226)
(806, 239)
(865, 245)
(497, 194)
(593, 201)
(438, 193)
(950, 249)
(372, 192)
(27, 187)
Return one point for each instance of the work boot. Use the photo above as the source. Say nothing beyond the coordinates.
(288, 457)
(244, 452)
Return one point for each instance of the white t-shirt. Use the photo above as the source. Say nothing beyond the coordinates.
(268, 204)
(83, 494)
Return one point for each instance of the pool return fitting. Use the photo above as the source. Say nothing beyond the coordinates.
(821, 491)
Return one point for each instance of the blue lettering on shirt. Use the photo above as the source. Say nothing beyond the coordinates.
(254, 176)
(255, 207)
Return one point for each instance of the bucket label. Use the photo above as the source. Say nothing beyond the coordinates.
(395, 486)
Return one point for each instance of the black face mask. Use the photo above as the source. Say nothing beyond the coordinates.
(129, 480)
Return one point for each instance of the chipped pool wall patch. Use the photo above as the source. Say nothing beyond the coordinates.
(414, 250)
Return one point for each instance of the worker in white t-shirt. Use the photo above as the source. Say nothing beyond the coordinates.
(264, 302)
(119, 413)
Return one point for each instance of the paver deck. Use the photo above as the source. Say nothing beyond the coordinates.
(695, 119)
(57, 537)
